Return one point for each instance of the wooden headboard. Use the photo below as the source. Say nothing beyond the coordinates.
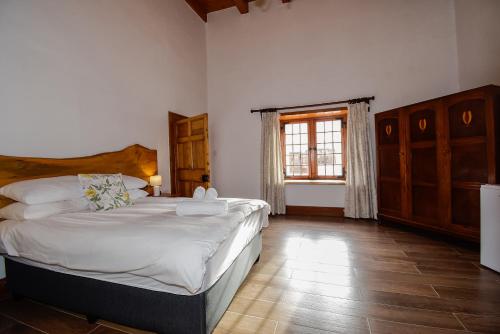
(135, 160)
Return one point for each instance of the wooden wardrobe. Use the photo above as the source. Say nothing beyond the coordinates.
(432, 158)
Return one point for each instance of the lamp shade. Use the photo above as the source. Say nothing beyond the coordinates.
(155, 180)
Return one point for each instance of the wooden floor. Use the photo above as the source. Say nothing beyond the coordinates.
(323, 276)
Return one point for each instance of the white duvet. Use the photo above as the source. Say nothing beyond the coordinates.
(147, 239)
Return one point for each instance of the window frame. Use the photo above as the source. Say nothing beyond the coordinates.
(311, 117)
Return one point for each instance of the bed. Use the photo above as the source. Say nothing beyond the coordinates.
(136, 290)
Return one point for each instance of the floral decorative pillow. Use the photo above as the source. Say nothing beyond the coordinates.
(104, 191)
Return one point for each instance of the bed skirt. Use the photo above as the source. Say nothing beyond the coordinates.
(156, 311)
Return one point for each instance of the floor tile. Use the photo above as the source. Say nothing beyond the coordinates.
(480, 323)
(9, 326)
(44, 318)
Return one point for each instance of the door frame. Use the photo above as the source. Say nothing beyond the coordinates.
(172, 119)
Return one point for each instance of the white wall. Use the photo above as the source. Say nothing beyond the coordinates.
(478, 42)
(83, 77)
(312, 51)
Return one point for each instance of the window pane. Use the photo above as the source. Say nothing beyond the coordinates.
(329, 148)
(304, 159)
(320, 148)
(328, 126)
(338, 159)
(337, 137)
(288, 129)
(321, 159)
(320, 137)
(288, 139)
(304, 138)
(304, 149)
(288, 149)
(337, 125)
(329, 159)
(296, 148)
(304, 170)
(328, 137)
(296, 139)
(337, 170)
(337, 147)
(288, 160)
(329, 170)
(303, 127)
(296, 128)
(288, 170)
(321, 170)
(320, 126)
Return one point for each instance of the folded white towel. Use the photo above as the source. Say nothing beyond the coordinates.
(199, 193)
(204, 207)
(211, 194)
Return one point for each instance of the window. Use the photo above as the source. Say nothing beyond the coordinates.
(313, 145)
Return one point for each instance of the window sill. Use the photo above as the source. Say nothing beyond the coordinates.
(316, 182)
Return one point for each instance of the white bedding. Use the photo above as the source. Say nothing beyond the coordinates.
(216, 266)
(145, 240)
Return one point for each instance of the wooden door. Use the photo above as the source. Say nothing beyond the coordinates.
(426, 164)
(192, 163)
(389, 162)
(470, 127)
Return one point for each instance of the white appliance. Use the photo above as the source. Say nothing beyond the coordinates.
(490, 226)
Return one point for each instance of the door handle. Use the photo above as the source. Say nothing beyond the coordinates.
(205, 178)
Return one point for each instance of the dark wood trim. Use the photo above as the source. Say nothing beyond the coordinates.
(242, 6)
(427, 229)
(199, 9)
(172, 119)
(295, 210)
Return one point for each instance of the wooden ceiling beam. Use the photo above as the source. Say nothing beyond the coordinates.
(242, 6)
(199, 8)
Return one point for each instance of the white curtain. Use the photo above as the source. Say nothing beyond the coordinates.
(273, 179)
(361, 195)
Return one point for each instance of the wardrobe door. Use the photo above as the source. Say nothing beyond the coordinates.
(389, 163)
(468, 129)
(424, 175)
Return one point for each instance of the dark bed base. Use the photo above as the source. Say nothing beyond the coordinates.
(161, 312)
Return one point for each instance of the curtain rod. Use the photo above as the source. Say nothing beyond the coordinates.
(366, 99)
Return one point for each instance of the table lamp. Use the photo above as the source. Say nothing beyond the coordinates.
(155, 182)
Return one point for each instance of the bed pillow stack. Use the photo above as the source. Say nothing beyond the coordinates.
(44, 197)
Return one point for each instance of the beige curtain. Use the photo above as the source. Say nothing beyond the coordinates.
(361, 195)
(273, 179)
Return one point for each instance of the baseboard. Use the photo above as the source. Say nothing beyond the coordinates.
(295, 210)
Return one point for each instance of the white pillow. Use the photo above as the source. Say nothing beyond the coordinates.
(55, 189)
(46, 190)
(21, 211)
(132, 182)
(136, 194)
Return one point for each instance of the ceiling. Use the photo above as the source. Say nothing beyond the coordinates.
(203, 7)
